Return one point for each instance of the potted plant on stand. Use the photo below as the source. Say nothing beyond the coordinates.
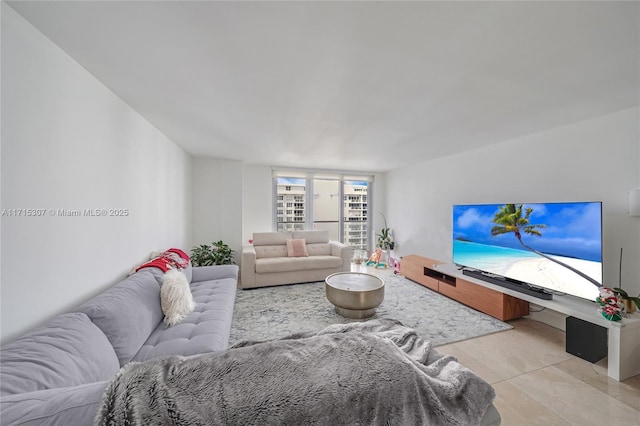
(218, 253)
(385, 242)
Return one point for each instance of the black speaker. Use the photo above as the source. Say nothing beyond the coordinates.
(586, 340)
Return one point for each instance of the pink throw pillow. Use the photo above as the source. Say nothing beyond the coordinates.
(297, 248)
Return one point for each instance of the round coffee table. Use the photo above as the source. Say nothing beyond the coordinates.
(354, 294)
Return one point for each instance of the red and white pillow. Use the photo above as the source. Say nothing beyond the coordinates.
(170, 259)
(176, 299)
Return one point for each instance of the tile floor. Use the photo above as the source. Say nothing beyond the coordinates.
(538, 383)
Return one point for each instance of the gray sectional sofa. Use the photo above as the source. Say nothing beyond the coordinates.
(266, 262)
(57, 373)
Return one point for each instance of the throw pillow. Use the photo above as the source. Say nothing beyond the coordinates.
(175, 297)
(169, 259)
(297, 248)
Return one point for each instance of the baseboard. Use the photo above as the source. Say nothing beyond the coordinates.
(547, 316)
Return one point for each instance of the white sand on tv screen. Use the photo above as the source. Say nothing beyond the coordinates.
(545, 273)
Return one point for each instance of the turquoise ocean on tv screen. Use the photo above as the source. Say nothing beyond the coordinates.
(487, 257)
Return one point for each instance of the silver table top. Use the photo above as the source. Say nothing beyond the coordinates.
(354, 281)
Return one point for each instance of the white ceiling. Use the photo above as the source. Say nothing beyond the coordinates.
(366, 86)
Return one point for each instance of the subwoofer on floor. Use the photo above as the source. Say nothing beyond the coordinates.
(586, 340)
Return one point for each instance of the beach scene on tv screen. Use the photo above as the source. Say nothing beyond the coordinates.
(557, 246)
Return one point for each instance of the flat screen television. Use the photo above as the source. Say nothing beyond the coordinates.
(555, 247)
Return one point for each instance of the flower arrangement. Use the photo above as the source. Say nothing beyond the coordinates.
(610, 305)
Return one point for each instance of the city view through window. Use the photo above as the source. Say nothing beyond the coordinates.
(332, 205)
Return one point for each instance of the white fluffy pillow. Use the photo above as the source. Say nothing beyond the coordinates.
(175, 297)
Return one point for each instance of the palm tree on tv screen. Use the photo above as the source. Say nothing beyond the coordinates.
(509, 219)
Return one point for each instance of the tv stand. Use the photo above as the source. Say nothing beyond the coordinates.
(426, 272)
(508, 283)
(623, 340)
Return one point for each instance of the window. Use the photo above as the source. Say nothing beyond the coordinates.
(323, 201)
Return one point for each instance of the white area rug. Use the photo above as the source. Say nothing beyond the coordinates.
(275, 312)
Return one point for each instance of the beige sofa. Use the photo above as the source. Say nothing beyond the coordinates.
(266, 262)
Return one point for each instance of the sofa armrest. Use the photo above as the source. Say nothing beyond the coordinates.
(248, 266)
(343, 251)
(214, 272)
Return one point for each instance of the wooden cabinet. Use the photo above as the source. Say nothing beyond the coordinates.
(413, 266)
(423, 270)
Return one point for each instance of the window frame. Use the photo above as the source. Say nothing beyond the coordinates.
(308, 176)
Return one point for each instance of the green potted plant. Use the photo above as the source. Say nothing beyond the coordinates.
(217, 253)
(385, 241)
(630, 302)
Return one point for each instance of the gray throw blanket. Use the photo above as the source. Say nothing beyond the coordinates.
(377, 372)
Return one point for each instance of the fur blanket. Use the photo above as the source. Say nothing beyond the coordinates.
(377, 372)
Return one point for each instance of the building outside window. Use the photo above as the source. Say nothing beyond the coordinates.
(290, 192)
(355, 214)
(334, 204)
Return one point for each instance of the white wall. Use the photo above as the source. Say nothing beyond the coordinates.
(70, 143)
(380, 207)
(594, 160)
(257, 211)
(217, 202)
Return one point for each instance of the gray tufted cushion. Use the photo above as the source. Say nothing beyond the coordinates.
(205, 329)
(214, 272)
(127, 312)
(157, 274)
(188, 272)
